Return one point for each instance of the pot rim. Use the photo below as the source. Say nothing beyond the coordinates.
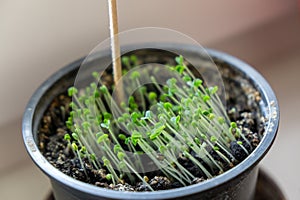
(260, 151)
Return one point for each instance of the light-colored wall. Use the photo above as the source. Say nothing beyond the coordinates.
(37, 37)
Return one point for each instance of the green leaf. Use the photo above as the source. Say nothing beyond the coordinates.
(143, 89)
(72, 114)
(194, 124)
(104, 125)
(124, 71)
(237, 133)
(177, 108)
(86, 125)
(121, 119)
(180, 68)
(93, 86)
(171, 82)
(206, 98)
(104, 89)
(205, 112)
(83, 149)
(134, 59)
(162, 149)
(157, 132)
(148, 114)
(131, 100)
(221, 120)
(233, 125)
(203, 136)
(77, 129)
(122, 137)
(197, 82)
(121, 155)
(67, 137)
(135, 75)
(134, 116)
(172, 91)
(96, 94)
(178, 119)
(102, 138)
(213, 138)
(125, 61)
(72, 105)
(153, 136)
(168, 106)
(136, 135)
(179, 60)
(79, 112)
(163, 97)
(175, 120)
(96, 75)
(69, 123)
(93, 157)
(117, 148)
(87, 102)
(127, 140)
(122, 164)
(216, 148)
(213, 90)
(187, 78)
(126, 116)
(108, 177)
(211, 116)
(98, 119)
(106, 162)
(72, 91)
(197, 141)
(134, 141)
(74, 146)
(107, 116)
(75, 136)
(152, 96)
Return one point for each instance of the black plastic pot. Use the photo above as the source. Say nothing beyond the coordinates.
(237, 183)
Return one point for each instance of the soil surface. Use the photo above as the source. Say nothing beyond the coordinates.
(241, 108)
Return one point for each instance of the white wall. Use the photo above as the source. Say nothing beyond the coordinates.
(37, 37)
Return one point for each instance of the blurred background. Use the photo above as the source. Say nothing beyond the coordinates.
(38, 37)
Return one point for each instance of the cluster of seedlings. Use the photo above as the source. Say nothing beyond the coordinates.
(186, 139)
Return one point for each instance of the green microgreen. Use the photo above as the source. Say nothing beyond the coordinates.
(188, 119)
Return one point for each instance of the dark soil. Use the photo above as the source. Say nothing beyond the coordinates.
(241, 108)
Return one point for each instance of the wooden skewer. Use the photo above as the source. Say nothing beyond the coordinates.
(115, 48)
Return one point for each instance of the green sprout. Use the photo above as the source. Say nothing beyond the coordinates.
(191, 120)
